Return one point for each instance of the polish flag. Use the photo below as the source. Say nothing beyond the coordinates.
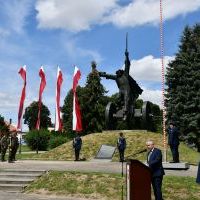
(22, 73)
(58, 122)
(77, 123)
(42, 86)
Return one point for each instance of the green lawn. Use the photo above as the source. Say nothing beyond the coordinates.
(107, 186)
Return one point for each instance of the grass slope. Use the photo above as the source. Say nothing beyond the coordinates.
(135, 143)
(107, 186)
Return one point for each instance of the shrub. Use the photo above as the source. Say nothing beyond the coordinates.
(37, 139)
(56, 141)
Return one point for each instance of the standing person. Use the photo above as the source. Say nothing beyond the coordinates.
(14, 144)
(4, 145)
(198, 174)
(121, 145)
(77, 143)
(154, 161)
(173, 141)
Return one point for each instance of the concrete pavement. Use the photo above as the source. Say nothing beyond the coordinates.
(84, 166)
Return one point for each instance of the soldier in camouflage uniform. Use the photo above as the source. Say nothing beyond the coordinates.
(4, 145)
(1, 135)
(14, 144)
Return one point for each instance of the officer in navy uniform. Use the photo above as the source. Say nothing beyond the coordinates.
(173, 141)
(77, 143)
(154, 161)
(121, 145)
(198, 174)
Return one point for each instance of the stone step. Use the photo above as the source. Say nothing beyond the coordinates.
(12, 187)
(15, 181)
(16, 176)
(17, 171)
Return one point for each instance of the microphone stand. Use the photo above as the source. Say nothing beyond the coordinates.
(122, 173)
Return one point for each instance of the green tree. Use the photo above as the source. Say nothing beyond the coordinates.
(67, 110)
(93, 102)
(183, 81)
(31, 115)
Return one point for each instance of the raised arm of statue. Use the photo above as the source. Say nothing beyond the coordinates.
(107, 76)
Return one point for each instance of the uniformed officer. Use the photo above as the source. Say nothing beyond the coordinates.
(14, 144)
(121, 145)
(77, 143)
(4, 145)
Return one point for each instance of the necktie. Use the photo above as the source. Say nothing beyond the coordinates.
(149, 155)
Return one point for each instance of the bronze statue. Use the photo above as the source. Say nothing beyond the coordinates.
(129, 91)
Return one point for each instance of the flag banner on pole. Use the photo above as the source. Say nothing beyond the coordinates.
(58, 122)
(42, 86)
(22, 73)
(77, 123)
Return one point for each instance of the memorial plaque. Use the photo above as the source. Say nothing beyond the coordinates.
(105, 152)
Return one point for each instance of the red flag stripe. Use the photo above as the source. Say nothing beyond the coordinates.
(77, 121)
(42, 86)
(22, 73)
(77, 76)
(58, 122)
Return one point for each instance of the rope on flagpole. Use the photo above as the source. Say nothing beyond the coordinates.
(163, 81)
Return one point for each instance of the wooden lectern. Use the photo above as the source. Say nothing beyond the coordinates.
(138, 181)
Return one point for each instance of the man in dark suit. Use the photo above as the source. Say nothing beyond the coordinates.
(173, 141)
(154, 161)
(77, 143)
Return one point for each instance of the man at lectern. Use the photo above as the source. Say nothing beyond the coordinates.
(154, 161)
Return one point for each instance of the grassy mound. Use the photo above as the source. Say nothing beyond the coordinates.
(135, 142)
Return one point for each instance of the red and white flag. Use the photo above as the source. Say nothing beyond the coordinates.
(77, 122)
(42, 86)
(58, 122)
(22, 73)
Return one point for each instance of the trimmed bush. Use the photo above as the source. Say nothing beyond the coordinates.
(38, 139)
(56, 141)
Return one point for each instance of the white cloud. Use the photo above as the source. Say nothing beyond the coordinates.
(140, 12)
(148, 68)
(81, 15)
(14, 15)
(155, 96)
(72, 15)
(7, 101)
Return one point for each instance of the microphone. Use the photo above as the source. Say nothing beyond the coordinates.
(139, 152)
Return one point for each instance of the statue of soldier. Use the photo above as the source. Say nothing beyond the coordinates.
(14, 144)
(129, 90)
(4, 145)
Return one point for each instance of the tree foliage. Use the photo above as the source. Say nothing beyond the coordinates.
(93, 102)
(183, 81)
(38, 140)
(31, 115)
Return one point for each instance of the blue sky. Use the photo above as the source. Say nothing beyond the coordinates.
(68, 33)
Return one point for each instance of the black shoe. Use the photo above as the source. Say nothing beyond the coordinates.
(171, 161)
